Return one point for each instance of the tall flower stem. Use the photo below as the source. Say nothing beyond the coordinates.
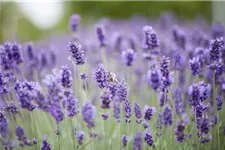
(73, 139)
(104, 57)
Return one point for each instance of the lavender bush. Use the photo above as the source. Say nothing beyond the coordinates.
(158, 85)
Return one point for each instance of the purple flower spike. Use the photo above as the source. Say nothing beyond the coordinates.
(3, 125)
(219, 101)
(127, 109)
(88, 114)
(80, 136)
(116, 110)
(148, 137)
(150, 39)
(122, 90)
(106, 99)
(100, 76)
(66, 77)
(138, 114)
(124, 140)
(195, 65)
(71, 105)
(20, 133)
(215, 49)
(168, 116)
(105, 116)
(74, 21)
(45, 145)
(77, 53)
(128, 56)
(11, 107)
(137, 144)
(154, 78)
(179, 131)
(148, 112)
(101, 33)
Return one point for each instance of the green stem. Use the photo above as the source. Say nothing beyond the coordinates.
(73, 139)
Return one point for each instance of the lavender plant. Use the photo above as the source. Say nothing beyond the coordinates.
(88, 93)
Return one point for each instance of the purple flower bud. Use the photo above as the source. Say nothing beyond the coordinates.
(20, 133)
(71, 105)
(45, 145)
(16, 54)
(128, 56)
(179, 103)
(100, 76)
(77, 53)
(42, 59)
(154, 78)
(3, 84)
(124, 141)
(167, 116)
(105, 116)
(106, 99)
(137, 144)
(88, 114)
(3, 125)
(127, 109)
(179, 37)
(116, 109)
(219, 103)
(179, 131)
(11, 107)
(150, 38)
(195, 65)
(30, 51)
(145, 125)
(215, 49)
(137, 112)
(35, 141)
(112, 87)
(55, 110)
(159, 121)
(148, 137)
(66, 77)
(203, 124)
(148, 112)
(80, 136)
(74, 21)
(83, 76)
(101, 33)
(122, 90)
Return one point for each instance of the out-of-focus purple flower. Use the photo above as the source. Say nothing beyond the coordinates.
(77, 53)
(148, 112)
(148, 137)
(53, 57)
(106, 99)
(88, 114)
(137, 112)
(137, 144)
(216, 68)
(127, 109)
(55, 110)
(159, 122)
(45, 145)
(35, 141)
(217, 30)
(178, 101)
(200, 109)
(100, 76)
(71, 105)
(26, 92)
(66, 77)
(112, 87)
(150, 39)
(219, 103)
(42, 59)
(145, 124)
(215, 49)
(101, 33)
(80, 136)
(167, 116)
(179, 36)
(54, 87)
(116, 110)
(128, 56)
(203, 125)
(74, 21)
(30, 51)
(122, 90)
(20, 133)
(16, 53)
(3, 86)
(154, 78)
(83, 76)
(124, 141)
(3, 125)
(118, 38)
(195, 65)
(105, 116)
(179, 131)
(11, 107)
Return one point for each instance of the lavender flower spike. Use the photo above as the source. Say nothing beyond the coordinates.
(150, 39)
(137, 112)
(124, 140)
(137, 144)
(74, 21)
(179, 131)
(168, 116)
(215, 49)
(195, 65)
(127, 109)
(148, 137)
(88, 114)
(3, 125)
(45, 145)
(219, 101)
(66, 77)
(128, 56)
(122, 90)
(100, 76)
(148, 112)
(80, 136)
(77, 53)
(100, 30)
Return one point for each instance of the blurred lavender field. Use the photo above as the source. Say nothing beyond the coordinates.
(135, 83)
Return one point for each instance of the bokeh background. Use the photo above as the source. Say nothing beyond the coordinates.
(34, 20)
